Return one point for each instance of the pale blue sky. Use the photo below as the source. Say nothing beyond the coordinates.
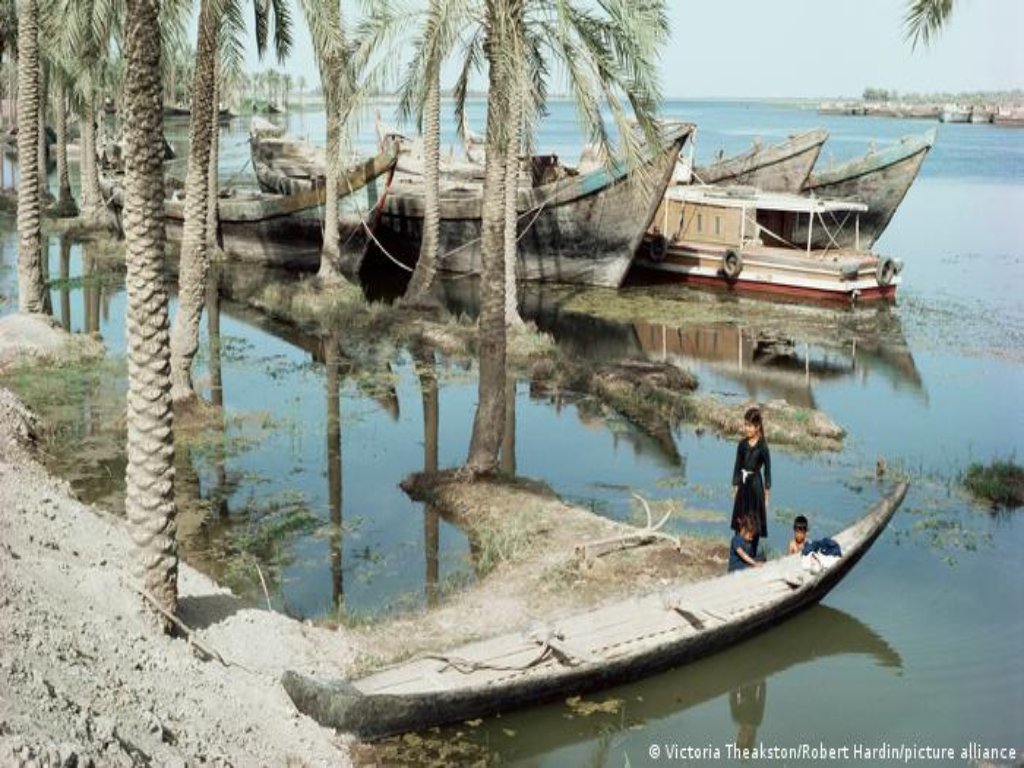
(806, 48)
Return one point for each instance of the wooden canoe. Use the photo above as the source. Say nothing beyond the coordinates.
(580, 228)
(282, 230)
(879, 179)
(617, 643)
(777, 168)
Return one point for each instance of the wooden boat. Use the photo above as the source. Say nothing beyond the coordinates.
(880, 180)
(741, 239)
(778, 168)
(573, 227)
(1009, 117)
(951, 113)
(820, 633)
(281, 230)
(616, 643)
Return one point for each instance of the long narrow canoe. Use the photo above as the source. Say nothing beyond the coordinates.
(777, 168)
(579, 228)
(617, 643)
(284, 230)
(880, 179)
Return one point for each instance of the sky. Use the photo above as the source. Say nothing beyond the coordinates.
(804, 48)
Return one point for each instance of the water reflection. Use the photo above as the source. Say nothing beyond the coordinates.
(332, 363)
(431, 518)
(65, 288)
(740, 675)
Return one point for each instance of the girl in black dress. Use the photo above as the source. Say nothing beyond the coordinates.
(751, 492)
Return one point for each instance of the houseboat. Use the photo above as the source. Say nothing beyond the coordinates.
(741, 239)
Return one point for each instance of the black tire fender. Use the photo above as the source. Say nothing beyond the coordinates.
(732, 264)
(886, 270)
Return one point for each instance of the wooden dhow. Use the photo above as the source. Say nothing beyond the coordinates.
(573, 227)
(781, 167)
(617, 643)
(742, 239)
(281, 230)
(880, 180)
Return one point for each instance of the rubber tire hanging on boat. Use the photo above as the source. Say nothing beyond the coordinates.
(657, 249)
(886, 270)
(732, 264)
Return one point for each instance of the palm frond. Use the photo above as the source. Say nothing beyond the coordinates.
(924, 19)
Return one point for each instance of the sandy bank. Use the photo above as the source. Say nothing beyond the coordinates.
(83, 674)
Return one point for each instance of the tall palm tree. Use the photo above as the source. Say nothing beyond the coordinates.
(325, 25)
(149, 502)
(30, 268)
(608, 51)
(219, 21)
(924, 19)
(66, 205)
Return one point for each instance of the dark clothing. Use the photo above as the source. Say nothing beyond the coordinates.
(824, 546)
(750, 485)
(736, 563)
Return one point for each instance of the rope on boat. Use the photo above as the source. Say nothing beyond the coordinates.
(550, 647)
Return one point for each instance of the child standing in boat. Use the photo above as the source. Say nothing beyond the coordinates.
(752, 477)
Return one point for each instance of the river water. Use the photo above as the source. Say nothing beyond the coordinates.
(919, 645)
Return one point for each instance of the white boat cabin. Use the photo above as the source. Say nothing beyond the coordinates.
(744, 217)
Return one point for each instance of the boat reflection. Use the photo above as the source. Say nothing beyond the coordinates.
(741, 675)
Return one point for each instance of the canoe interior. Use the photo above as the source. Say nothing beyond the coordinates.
(616, 643)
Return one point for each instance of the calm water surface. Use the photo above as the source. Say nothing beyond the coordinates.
(919, 645)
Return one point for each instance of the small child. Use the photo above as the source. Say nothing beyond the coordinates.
(741, 550)
(796, 546)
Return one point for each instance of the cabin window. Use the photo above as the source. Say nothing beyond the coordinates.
(700, 222)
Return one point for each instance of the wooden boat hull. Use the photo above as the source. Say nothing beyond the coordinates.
(880, 180)
(844, 278)
(583, 229)
(611, 650)
(779, 168)
(287, 230)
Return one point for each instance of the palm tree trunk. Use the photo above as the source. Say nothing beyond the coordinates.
(489, 422)
(330, 254)
(92, 197)
(426, 267)
(66, 206)
(149, 502)
(30, 268)
(213, 209)
(512, 318)
(41, 157)
(195, 260)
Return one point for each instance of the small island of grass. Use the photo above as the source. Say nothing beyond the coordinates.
(1001, 482)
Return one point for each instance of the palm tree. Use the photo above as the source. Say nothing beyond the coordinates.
(30, 268)
(608, 56)
(216, 18)
(66, 206)
(924, 19)
(149, 501)
(325, 25)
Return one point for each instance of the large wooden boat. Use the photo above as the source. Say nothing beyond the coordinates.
(1009, 117)
(953, 113)
(617, 643)
(573, 227)
(281, 230)
(777, 168)
(880, 179)
(741, 239)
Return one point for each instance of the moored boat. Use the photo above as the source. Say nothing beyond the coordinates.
(1009, 116)
(776, 168)
(953, 113)
(880, 179)
(281, 230)
(573, 227)
(619, 642)
(741, 239)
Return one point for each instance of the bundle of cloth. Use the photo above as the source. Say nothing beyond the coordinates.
(820, 555)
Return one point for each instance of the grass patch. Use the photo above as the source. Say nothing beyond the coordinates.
(1001, 483)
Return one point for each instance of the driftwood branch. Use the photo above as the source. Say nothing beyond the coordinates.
(190, 634)
(263, 584)
(638, 537)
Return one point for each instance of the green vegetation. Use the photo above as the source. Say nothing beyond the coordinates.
(1001, 483)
